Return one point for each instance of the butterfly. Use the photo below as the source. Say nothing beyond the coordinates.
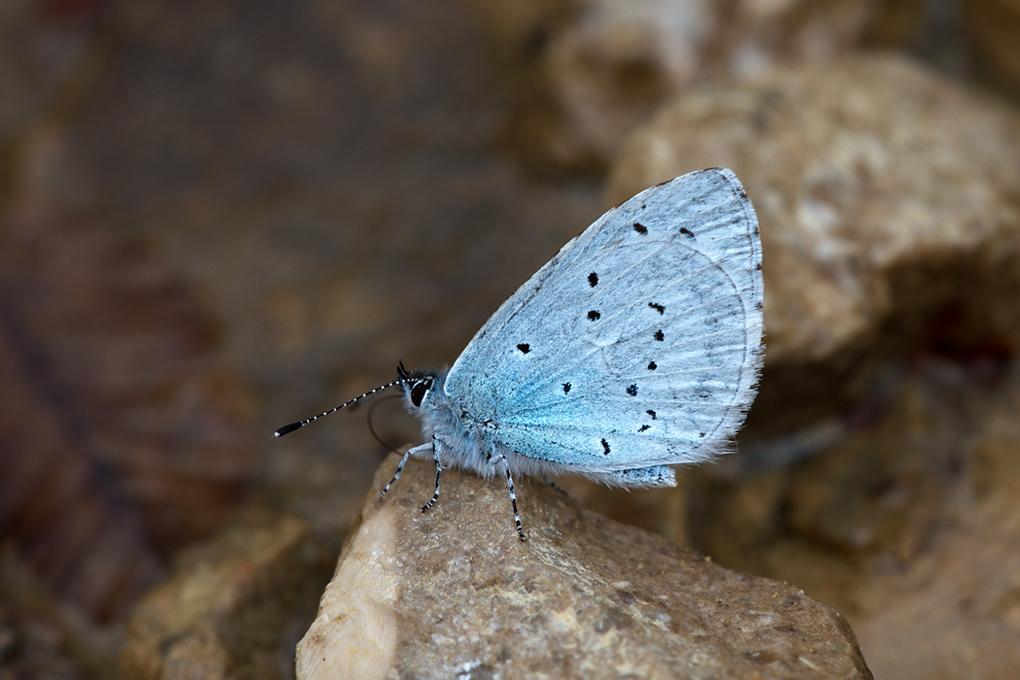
(637, 347)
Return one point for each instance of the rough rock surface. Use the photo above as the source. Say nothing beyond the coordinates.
(454, 593)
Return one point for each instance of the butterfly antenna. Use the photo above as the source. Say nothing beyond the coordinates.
(287, 429)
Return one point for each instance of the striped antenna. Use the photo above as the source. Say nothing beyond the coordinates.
(287, 429)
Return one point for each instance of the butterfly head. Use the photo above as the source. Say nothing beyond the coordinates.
(417, 385)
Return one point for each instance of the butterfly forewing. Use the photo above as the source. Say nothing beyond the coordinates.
(638, 344)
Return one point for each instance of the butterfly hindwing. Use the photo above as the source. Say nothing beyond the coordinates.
(638, 344)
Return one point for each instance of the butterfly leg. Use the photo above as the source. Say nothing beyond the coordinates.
(513, 498)
(439, 470)
(400, 468)
(555, 486)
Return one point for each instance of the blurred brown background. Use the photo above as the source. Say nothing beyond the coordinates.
(219, 217)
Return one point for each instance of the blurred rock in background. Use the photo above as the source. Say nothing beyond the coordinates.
(590, 71)
(218, 218)
(887, 198)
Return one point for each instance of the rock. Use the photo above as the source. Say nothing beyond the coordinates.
(230, 606)
(909, 524)
(891, 240)
(887, 202)
(599, 71)
(455, 592)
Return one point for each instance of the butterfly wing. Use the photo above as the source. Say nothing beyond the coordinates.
(638, 344)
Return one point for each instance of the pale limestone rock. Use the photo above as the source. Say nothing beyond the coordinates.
(885, 195)
(454, 593)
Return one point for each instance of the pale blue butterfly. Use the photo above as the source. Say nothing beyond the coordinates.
(638, 346)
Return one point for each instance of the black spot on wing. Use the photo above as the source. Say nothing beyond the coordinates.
(593, 279)
(594, 315)
(651, 413)
(652, 365)
(640, 228)
(686, 232)
(566, 388)
(657, 307)
(644, 427)
(632, 390)
(524, 347)
(605, 446)
(658, 336)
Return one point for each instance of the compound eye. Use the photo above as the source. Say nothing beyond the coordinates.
(419, 390)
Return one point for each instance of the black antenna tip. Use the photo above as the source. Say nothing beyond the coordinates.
(287, 429)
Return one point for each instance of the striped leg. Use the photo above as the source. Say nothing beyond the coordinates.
(513, 499)
(400, 468)
(555, 486)
(439, 470)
